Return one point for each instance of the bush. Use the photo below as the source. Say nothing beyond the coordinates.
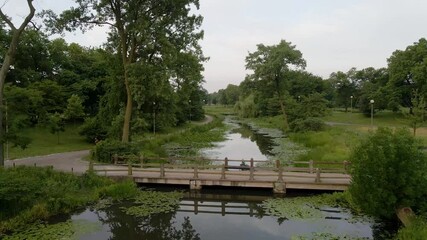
(92, 130)
(416, 231)
(388, 172)
(105, 149)
(308, 124)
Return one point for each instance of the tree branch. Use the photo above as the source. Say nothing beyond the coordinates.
(7, 20)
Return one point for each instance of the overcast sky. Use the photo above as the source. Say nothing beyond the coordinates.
(333, 35)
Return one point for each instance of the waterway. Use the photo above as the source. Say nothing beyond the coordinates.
(219, 214)
(242, 142)
(224, 213)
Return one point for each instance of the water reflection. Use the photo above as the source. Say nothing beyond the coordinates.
(208, 215)
(242, 143)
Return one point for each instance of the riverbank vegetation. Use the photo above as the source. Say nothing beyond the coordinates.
(30, 196)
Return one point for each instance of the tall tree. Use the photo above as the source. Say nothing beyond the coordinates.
(408, 72)
(272, 66)
(8, 61)
(139, 29)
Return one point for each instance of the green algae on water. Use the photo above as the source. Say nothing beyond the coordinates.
(69, 230)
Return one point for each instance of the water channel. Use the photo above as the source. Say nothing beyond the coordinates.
(223, 213)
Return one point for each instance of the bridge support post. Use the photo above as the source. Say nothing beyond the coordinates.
(279, 187)
(196, 172)
(223, 173)
(195, 184)
(129, 169)
(280, 177)
(345, 166)
(90, 166)
(311, 166)
(115, 158)
(141, 161)
(252, 162)
(317, 175)
(162, 170)
(251, 174)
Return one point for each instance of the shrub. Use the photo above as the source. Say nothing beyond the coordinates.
(92, 130)
(308, 124)
(388, 172)
(105, 149)
(119, 191)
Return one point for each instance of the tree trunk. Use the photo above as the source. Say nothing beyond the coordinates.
(285, 117)
(8, 60)
(128, 112)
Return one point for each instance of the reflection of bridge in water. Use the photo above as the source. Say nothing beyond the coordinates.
(222, 204)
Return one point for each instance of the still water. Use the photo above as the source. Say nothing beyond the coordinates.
(218, 214)
(242, 143)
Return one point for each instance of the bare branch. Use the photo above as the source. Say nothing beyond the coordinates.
(7, 20)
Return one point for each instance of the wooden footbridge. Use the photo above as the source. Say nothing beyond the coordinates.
(199, 172)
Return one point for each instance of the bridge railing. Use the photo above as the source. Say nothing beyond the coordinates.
(221, 169)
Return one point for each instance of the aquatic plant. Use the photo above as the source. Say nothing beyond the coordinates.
(71, 229)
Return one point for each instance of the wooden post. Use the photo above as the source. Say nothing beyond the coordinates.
(277, 164)
(252, 162)
(141, 161)
(345, 166)
(196, 173)
(72, 170)
(222, 208)
(129, 169)
(226, 162)
(162, 170)
(280, 178)
(317, 175)
(35, 164)
(223, 172)
(196, 207)
(251, 174)
(13, 165)
(311, 166)
(115, 158)
(91, 166)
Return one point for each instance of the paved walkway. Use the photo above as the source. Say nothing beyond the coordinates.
(59, 161)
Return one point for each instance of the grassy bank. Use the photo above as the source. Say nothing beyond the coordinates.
(43, 142)
(29, 194)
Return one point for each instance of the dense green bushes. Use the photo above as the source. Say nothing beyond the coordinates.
(307, 124)
(105, 149)
(29, 194)
(388, 172)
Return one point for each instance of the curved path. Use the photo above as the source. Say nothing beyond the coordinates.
(60, 161)
(68, 161)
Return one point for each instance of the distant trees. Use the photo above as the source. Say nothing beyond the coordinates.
(271, 66)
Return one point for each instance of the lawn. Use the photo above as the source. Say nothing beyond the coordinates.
(43, 142)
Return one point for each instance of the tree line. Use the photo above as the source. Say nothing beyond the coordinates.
(149, 67)
(278, 84)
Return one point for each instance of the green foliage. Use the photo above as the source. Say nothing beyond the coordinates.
(151, 202)
(388, 171)
(246, 108)
(107, 148)
(416, 231)
(305, 207)
(29, 194)
(93, 130)
(308, 124)
(56, 124)
(74, 110)
(120, 191)
(71, 229)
